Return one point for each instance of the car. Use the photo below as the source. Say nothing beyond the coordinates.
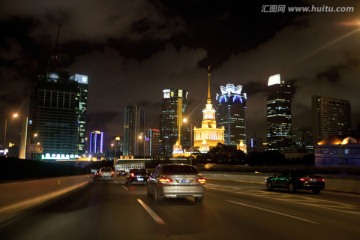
(176, 181)
(136, 176)
(105, 173)
(292, 180)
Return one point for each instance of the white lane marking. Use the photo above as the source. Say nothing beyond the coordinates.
(151, 212)
(319, 203)
(267, 210)
(125, 188)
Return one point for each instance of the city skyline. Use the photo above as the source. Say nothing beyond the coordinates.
(133, 50)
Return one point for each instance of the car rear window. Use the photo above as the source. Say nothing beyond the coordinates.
(179, 169)
(107, 169)
(138, 171)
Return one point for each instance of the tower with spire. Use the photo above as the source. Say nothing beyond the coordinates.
(208, 135)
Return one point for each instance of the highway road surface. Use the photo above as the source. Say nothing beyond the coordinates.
(231, 210)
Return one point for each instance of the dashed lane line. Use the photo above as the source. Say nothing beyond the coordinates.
(151, 212)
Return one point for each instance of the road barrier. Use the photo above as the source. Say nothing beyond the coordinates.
(20, 196)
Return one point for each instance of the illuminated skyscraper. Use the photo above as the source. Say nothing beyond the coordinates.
(81, 98)
(153, 143)
(96, 142)
(54, 115)
(331, 116)
(134, 127)
(231, 112)
(173, 106)
(208, 135)
(279, 113)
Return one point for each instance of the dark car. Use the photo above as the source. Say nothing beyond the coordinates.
(136, 176)
(293, 180)
(176, 181)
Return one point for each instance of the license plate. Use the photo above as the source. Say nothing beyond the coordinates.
(185, 181)
(140, 179)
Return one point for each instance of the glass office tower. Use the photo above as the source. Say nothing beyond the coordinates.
(279, 113)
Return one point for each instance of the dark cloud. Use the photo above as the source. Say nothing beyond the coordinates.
(132, 50)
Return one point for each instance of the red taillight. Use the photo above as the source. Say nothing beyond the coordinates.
(201, 180)
(165, 180)
(132, 174)
(304, 179)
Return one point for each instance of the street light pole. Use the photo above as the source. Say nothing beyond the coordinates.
(116, 144)
(144, 145)
(5, 133)
(142, 137)
(23, 140)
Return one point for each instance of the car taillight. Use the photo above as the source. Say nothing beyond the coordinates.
(201, 180)
(165, 180)
(132, 174)
(303, 179)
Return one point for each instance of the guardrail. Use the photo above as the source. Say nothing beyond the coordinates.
(17, 197)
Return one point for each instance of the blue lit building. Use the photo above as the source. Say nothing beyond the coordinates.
(96, 143)
(231, 113)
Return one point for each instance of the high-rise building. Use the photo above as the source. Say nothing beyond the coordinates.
(330, 117)
(174, 103)
(231, 112)
(208, 135)
(303, 140)
(134, 131)
(58, 111)
(54, 115)
(153, 143)
(116, 143)
(96, 142)
(278, 117)
(81, 98)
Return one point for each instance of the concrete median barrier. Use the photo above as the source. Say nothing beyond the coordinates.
(18, 197)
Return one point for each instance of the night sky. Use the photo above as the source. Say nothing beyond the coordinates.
(132, 50)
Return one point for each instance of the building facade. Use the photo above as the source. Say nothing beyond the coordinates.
(96, 143)
(134, 131)
(57, 115)
(338, 151)
(279, 113)
(330, 117)
(81, 98)
(231, 113)
(153, 143)
(174, 104)
(208, 135)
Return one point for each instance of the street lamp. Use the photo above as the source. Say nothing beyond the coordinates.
(116, 144)
(142, 137)
(15, 115)
(32, 149)
(186, 121)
